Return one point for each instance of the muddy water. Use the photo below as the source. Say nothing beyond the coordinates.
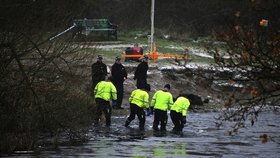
(200, 139)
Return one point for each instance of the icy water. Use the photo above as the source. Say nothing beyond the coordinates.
(200, 139)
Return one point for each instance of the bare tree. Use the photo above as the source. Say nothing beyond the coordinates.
(251, 57)
(42, 80)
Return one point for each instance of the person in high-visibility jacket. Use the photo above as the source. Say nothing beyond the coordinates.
(104, 92)
(178, 113)
(161, 102)
(139, 99)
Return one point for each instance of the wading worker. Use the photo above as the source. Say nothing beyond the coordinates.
(139, 99)
(119, 75)
(98, 71)
(104, 91)
(178, 113)
(141, 72)
(161, 102)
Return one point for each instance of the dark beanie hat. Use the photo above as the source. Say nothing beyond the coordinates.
(167, 86)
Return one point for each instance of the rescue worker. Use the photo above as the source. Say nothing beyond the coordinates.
(161, 102)
(178, 113)
(104, 92)
(98, 71)
(119, 75)
(139, 99)
(141, 72)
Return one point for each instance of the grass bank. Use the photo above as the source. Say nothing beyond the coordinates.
(164, 45)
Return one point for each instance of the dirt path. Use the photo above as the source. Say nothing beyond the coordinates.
(161, 74)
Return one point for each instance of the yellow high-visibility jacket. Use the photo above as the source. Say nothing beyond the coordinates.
(105, 90)
(140, 98)
(162, 100)
(181, 105)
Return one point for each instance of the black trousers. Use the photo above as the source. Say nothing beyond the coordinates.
(103, 106)
(177, 119)
(161, 117)
(119, 87)
(136, 110)
(141, 83)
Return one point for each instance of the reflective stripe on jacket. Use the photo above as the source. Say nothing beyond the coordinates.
(105, 90)
(140, 98)
(181, 105)
(162, 100)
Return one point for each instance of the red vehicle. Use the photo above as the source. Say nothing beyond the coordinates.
(136, 50)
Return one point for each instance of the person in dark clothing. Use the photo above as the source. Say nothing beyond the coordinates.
(98, 71)
(141, 73)
(119, 75)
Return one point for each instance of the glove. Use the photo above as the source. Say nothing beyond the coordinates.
(114, 104)
(184, 120)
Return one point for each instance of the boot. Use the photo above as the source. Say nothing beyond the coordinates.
(141, 128)
(126, 123)
(155, 128)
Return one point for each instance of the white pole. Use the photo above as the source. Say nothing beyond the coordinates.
(152, 24)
